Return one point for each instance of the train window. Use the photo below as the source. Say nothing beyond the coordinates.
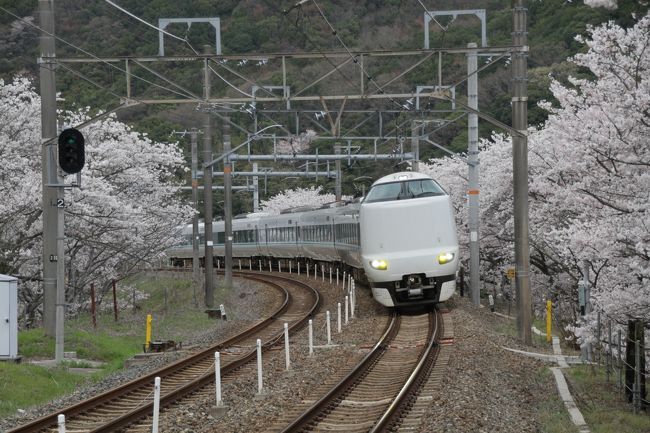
(220, 238)
(404, 190)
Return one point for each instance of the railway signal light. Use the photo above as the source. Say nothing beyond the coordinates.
(71, 151)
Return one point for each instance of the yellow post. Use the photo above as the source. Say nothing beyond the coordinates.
(549, 307)
(148, 342)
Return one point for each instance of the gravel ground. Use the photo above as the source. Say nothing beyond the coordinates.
(486, 388)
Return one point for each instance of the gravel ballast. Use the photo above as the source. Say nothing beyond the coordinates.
(485, 387)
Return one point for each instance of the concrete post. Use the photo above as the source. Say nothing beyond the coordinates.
(48, 164)
(195, 219)
(520, 168)
(337, 189)
(256, 190)
(227, 203)
(473, 176)
(207, 188)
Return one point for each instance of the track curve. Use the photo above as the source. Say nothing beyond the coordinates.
(132, 403)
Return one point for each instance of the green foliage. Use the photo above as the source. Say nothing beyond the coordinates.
(22, 8)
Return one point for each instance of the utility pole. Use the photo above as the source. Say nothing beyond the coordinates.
(473, 176)
(227, 203)
(337, 188)
(48, 164)
(520, 167)
(207, 186)
(415, 145)
(256, 190)
(195, 218)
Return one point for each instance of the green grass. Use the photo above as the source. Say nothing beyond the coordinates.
(551, 413)
(89, 344)
(603, 406)
(176, 318)
(23, 385)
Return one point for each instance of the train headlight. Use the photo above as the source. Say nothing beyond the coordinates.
(380, 265)
(445, 258)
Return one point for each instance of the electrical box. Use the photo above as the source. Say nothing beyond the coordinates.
(8, 317)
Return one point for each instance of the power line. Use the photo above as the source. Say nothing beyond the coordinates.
(89, 54)
(354, 59)
(300, 15)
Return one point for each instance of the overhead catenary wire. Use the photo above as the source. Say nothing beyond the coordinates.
(85, 78)
(354, 59)
(89, 54)
(299, 16)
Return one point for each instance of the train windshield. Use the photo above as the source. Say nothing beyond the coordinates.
(404, 190)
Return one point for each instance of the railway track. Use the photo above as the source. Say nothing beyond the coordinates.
(131, 405)
(380, 391)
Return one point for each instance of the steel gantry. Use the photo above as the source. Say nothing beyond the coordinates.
(357, 80)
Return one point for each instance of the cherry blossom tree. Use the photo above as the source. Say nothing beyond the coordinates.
(296, 144)
(589, 184)
(597, 161)
(123, 216)
(297, 197)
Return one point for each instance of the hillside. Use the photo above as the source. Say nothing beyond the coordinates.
(267, 26)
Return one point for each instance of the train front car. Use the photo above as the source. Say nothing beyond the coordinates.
(409, 247)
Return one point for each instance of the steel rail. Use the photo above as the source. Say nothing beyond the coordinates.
(50, 421)
(349, 380)
(416, 379)
(171, 397)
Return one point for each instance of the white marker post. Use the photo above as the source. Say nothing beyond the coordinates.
(240, 264)
(279, 266)
(298, 268)
(353, 301)
(346, 310)
(329, 329)
(290, 263)
(270, 264)
(61, 423)
(330, 275)
(311, 337)
(322, 272)
(338, 317)
(337, 276)
(259, 366)
(156, 405)
(307, 270)
(223, 312)
(260, 262)
(217, 378)
(343, 281)
(250, 264)
(287, 360)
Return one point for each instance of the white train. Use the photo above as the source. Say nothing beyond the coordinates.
(401, 238)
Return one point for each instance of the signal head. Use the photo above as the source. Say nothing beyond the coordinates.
(71, 151)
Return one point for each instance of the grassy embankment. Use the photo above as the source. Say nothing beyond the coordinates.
(602, 405)
(170, 302)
